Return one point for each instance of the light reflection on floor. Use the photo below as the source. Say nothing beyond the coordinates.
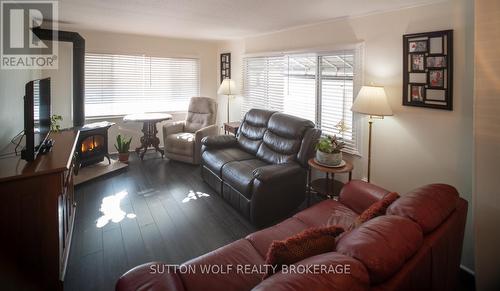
(111, 210)
(194, 195)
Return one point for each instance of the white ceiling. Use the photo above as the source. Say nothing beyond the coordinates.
(213, 19)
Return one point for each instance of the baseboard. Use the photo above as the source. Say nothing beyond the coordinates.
(467, 277)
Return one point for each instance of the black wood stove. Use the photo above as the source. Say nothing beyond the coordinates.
(92, 146)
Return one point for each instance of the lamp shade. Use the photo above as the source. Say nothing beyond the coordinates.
(227, 87)
(372, 100)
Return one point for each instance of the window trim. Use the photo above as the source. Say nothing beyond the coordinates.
(358, 81)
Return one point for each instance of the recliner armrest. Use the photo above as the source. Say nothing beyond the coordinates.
(174, 127)
(219, 141)
(276, 171)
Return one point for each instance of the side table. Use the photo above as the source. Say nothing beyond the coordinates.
(325, 186)
(231, 127)
(149, 130)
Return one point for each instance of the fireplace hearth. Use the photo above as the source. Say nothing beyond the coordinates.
(92, 146)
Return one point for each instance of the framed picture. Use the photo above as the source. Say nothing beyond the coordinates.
(436, 78)
(417, 93)
(225, 66)
(428, 69)
(436, 62)
(418, 63)
(417, 46)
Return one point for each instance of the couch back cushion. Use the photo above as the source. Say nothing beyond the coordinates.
(428, 206)
(382, 244)
(252, 129)
(202, 112)
(283, 138)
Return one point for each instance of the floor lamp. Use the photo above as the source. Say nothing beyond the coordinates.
(228, 88)
(372, 101)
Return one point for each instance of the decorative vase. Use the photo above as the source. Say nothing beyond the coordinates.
(333, 159)
(123, 157)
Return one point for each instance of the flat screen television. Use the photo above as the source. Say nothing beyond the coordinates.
(36, 117)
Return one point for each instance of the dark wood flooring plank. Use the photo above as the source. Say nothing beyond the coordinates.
(114, 257)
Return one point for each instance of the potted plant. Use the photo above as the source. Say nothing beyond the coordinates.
(54, 122)
(122, 146)
(328, 150)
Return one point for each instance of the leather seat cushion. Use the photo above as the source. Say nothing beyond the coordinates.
(181, 143)
(214, 159)
(261, 240)
(327, 212)
(239, 175)
(240, 252)
(382, 244)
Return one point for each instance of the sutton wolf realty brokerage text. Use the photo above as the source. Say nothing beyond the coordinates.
(341, 269)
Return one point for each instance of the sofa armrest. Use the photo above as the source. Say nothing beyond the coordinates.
(359, 195)
(276, 171)
(150, 276)
(220, 141)
(171, 128)
(277, 191)
(207, 131)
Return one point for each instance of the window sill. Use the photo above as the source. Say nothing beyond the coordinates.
(352, 153)
(123, 115)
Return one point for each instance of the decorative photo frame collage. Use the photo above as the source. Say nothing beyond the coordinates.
(225, 66)
(428, 69)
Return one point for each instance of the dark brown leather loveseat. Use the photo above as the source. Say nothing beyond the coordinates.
(262, 171)
(416, 246)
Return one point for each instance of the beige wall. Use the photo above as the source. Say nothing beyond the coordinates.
(416, 146)
(104, 42)
(487, 144)
(12, 105)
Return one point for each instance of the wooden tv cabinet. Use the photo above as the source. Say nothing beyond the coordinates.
(37, 211)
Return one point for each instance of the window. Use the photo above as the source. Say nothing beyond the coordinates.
(124, 84)
(318, 87)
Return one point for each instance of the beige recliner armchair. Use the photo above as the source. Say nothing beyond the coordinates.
(182, 139)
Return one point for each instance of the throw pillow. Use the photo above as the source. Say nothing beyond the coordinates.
(376, 209)
(308, 243)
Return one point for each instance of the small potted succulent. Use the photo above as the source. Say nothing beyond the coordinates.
(328, 150)
(122, 146)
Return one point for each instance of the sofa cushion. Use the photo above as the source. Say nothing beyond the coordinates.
(252, 129)
(239, 175)
(181, 143)
(214, 159)
(238, 253)
(376, 209)
(261, 240)
(382, 244)
(305, 244)
(336, 277)
(428, 206)
(327, 212)
(359, 195)
(283, 138)
(150, 276)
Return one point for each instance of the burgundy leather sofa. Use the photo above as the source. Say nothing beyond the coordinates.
(415, 246)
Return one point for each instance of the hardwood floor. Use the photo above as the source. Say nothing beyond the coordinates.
(171, 216)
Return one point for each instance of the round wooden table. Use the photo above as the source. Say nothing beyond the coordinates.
(149, 130)
(326, 186)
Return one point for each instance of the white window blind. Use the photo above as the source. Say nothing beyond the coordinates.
(124, 84)
(318, 87)
(337, 94)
